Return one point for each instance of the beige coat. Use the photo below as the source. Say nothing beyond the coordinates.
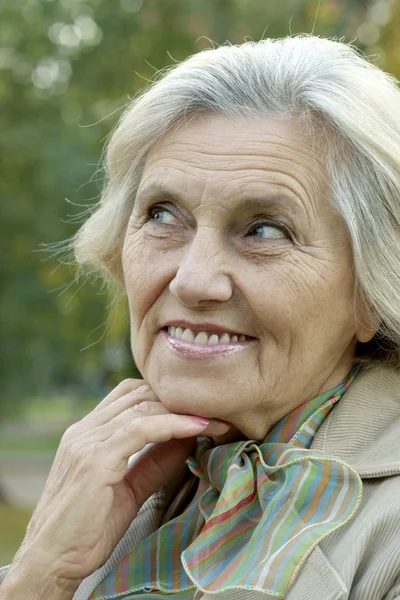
(360, 561)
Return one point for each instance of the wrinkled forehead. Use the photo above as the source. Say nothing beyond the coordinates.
(212, 156)
(207, 138)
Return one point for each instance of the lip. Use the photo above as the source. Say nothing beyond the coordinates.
(205, 326)
(197, 351)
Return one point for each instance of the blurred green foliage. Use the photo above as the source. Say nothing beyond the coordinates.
(13, 521)
(67, 68)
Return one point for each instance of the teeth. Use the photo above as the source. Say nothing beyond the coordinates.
(202, 337)
(188, 336)
(225, 338)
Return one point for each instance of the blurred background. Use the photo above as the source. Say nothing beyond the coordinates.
(67, 69)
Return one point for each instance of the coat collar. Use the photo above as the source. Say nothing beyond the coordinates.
(363, 428)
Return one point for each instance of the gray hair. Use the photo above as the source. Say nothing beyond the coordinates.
(331, 89)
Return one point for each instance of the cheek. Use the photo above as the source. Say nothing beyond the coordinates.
(291, 296)
(134, 265)
(273, 293)
(147, 274)
(319, 296)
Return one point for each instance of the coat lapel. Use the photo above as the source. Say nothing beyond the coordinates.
(363, 428)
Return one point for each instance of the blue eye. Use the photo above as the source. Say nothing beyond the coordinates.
(161, 215)
(267, 231)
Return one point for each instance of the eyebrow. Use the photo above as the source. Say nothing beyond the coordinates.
(275, 199)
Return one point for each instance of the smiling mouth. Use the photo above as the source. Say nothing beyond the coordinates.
(204, 338)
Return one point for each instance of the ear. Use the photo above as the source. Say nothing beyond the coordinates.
(367, 321)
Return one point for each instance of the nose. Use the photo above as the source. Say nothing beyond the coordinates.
(202, 277)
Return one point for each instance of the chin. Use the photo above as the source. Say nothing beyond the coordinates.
(192, 407)
(187, 401)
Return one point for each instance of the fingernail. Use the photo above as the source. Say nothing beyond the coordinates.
(200, 420)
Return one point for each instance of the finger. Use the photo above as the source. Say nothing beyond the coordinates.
(143, 408)
(156, 465)
(135, 434)
(123, 388)
(119, 405)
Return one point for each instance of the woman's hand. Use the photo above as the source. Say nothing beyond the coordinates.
(90, 497)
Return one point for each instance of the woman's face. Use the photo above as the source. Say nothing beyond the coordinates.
(232, 232)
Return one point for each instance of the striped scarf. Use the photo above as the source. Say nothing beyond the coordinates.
(270, 503)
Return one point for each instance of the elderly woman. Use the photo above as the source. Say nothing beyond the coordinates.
(252, 216)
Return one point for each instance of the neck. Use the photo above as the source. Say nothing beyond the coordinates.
(259, 428)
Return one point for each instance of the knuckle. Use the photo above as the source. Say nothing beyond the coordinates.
(80, 452)
(136, 424)
(74, 438)
(135, 429)
(69, 435)
(95, 449)
(142, 409)
(70, 450)
(76, 430)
